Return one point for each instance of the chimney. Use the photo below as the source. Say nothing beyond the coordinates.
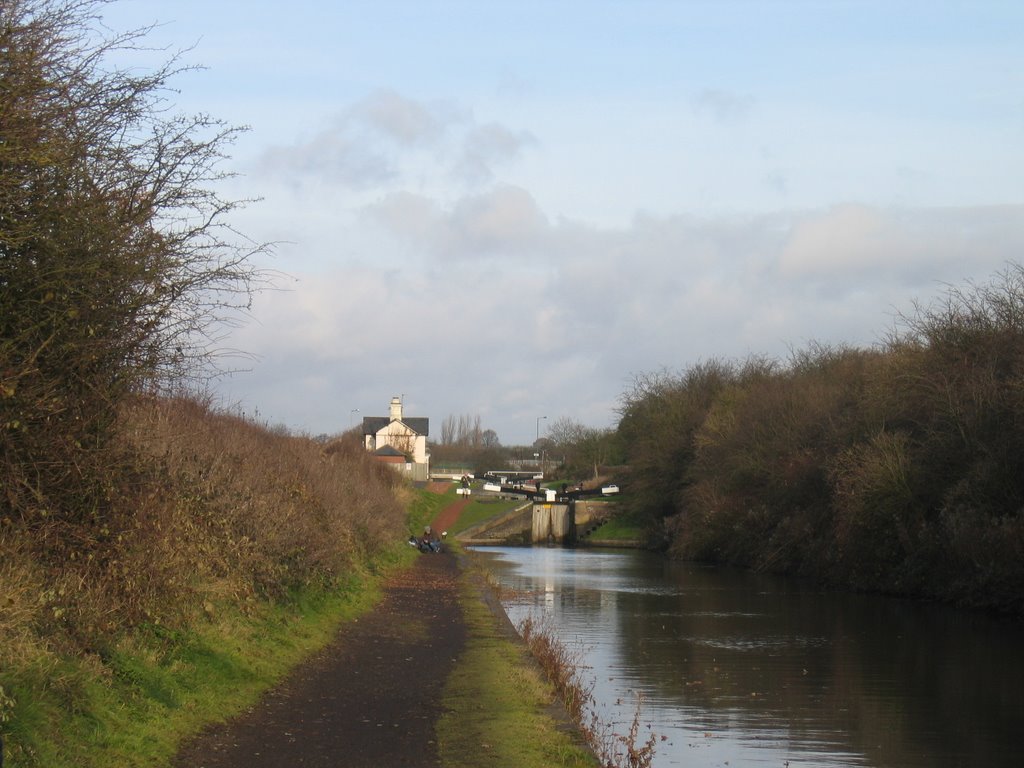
(396, 409)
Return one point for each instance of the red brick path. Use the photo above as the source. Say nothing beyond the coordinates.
(447, 517)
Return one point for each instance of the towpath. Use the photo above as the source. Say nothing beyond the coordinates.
(447, 517)
(368, 700)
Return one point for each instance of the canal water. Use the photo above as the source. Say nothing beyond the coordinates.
(738, 669)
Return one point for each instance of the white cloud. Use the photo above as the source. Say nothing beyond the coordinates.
(848, 237)
(405, 121)
(505, 220)
(329, 154)
(502, 222)
(466, 327)
(906, 244)
(387, 141)
(488, 145)
(407, 216)
(458, 192)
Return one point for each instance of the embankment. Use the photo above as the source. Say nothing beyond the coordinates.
(223, 552)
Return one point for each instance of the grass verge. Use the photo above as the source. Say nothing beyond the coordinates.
(133, 703)
(563, 666)
(425, 506)
(480, 509)
(621, 526)
(500, 709)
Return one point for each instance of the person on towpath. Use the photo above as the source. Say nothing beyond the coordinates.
(430, 541)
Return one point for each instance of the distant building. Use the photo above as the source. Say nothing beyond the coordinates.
(399, 440)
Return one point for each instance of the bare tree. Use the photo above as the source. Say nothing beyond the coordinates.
(404, 442)
(448, 430)
(565, 432)
(118, 268)
(489, 439)
(582, 447)
(464, 430)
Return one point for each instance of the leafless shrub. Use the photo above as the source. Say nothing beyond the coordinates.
(561, 665)
(118, 268)
(214, 510)
(564, 669)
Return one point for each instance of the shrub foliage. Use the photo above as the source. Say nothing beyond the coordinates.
(116, 262)
(122, 505)
(215, 518)
(896, 469)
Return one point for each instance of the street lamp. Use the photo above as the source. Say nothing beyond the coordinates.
(351, 415)
(538, 427)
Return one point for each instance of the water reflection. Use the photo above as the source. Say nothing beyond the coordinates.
(740, 669)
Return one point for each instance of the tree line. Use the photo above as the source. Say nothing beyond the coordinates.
(580, 452)
(898, 468)
(466, 431)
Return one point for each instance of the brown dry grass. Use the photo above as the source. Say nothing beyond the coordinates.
(203, 508)
(563, 667)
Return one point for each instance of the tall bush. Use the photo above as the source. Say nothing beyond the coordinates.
(659, 417)
(899, 469)
(116, 262)
(763, 455)
(965, 365)
(216, 512)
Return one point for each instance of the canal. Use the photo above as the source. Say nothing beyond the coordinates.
(738, 669)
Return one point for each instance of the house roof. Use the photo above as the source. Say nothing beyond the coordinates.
(374, 424)
(388, 450)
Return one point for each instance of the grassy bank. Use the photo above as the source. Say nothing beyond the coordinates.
(501, 710)
(224, 553)
(237, 555)
(481, 508)
(622, 526)
(525, 699)
(134, 702)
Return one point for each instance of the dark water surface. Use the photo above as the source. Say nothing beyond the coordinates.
(739, 669)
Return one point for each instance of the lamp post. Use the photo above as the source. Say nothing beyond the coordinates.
(538, 427)
(351, 416)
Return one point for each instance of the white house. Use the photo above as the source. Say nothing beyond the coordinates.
(397, 439)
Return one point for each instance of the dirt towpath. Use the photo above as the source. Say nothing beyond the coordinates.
(447, 517)
(370, 699)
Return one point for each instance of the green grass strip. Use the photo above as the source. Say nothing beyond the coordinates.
(620, 526)
(133, 704)
(500, 710)
(426, 505)
(482, 508)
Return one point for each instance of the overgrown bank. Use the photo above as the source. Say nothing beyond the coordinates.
(238, 556)
(139, 535)
(226, 553)
(897, 469)
(500, 710)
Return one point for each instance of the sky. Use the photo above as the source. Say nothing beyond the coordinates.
(512, 210)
